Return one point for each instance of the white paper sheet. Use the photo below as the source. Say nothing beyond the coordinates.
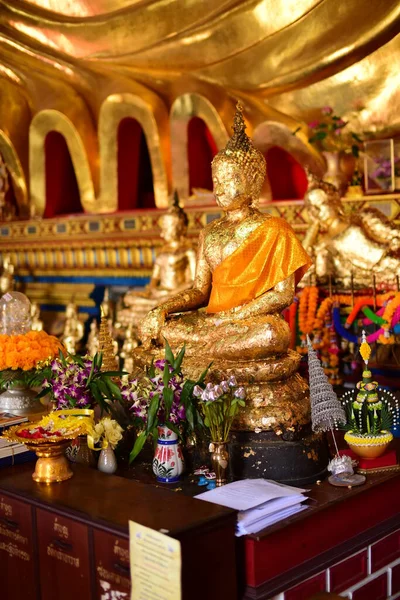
(269, 520)
(248, 493)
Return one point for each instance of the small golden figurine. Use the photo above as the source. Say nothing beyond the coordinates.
(7, 276)
(73, 329)
(173, 269)
(248, 264)
(93, 339)
(130, 343)
(37, 323)
(350, 247)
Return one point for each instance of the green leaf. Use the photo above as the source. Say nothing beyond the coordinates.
(166, 374)
(113, 388)
(103, 388)
(204, 374)
(190, 416)
(168, 396)
(179, 359)
(91, 373)
(152, 412)
(169, 355)
(320, 135)
(112, 373)
(355, 150)
(139, 443)
(173, 428)
(356, 137)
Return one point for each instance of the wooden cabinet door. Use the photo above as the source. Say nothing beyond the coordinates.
(64, 563)
(17, 561)
(112, 570)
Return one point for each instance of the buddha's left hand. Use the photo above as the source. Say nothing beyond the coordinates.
(151, 326)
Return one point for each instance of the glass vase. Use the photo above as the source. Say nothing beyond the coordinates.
(107, 461)
(219, 461)
(168, 458)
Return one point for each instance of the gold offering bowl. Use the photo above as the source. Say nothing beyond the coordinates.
(368, 447)
(52, 465)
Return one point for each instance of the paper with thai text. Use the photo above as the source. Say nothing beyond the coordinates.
(155, 564)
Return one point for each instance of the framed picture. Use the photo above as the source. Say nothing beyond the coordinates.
(379, 166)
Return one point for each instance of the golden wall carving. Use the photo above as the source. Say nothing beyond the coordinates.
(81, 66)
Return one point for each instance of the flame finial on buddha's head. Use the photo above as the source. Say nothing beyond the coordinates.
(241, 151)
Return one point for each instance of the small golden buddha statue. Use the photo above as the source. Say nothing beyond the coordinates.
(37, 323)
(7, 276)
(248, 264)
(93, 339)
(130, 343)
(173, 269)
(349, 247)
(73, 329)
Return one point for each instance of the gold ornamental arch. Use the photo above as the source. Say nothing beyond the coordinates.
(184, 108)
(116, 107)
(16, 172)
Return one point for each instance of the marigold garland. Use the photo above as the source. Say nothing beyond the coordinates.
(27, 350)
(307, 309)
(388, 316)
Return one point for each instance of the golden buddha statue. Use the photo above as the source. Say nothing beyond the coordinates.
(37, 323)
(173, 269)
(7, 276)
(130, 343)
(73, 329)
(349, 247)
(93, 339)
(248, 265)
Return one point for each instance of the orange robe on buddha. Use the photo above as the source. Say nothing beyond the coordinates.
(269, 255)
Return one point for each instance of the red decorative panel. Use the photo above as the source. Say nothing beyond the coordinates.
(307, 588)
(349, 571)
(385, 551)
(63, 558)
(374, 590)
(111, 558)
(17, 572)
(396, 579)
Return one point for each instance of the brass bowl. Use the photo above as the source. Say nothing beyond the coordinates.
(52, 465)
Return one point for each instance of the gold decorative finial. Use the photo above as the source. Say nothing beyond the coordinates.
(106, 344)
(240, 150)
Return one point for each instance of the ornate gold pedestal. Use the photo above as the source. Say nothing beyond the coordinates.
(52, 465)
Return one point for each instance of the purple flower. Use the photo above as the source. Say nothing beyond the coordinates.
(240, 393)
(232, 381)
(225, 386)
(313, 124)
(327, 110)
(197, 391)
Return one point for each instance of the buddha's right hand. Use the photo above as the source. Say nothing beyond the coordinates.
(150, 328)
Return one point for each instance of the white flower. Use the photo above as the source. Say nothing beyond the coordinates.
(218, 391)
(240, 393)
(232, 381)
(109, 430)
(197, 391)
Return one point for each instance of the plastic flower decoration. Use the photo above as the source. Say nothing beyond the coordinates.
(219, 404)
(162, 396)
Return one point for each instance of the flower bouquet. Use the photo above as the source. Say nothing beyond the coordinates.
(106, 433)
(21, 350)
(162, 404)
(220, 404)
(78, 382)
(331, 133)
(49, 438)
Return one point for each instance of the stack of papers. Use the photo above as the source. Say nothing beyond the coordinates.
(260, 502)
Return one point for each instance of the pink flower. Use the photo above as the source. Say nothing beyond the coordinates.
(327, 110)
(313, 124)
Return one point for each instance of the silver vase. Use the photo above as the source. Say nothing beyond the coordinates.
(20, 400)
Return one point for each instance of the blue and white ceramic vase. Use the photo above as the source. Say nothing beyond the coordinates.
(168, 458)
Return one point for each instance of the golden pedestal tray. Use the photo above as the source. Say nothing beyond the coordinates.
(52, 465)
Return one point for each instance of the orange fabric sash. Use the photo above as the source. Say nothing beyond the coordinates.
(270, 254)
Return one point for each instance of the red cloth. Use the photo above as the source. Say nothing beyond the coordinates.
(389, 459)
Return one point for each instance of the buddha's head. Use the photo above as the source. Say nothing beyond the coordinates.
(174, 222)
(239, 169)
(322, 207)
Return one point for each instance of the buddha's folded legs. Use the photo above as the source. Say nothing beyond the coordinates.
(206, 335)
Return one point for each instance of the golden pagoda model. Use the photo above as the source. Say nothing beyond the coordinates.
(106, 346)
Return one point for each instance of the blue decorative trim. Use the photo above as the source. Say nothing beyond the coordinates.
(122, 281)
(167, 442)
(168, 480)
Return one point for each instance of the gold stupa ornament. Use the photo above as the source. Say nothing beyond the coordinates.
(241, 151)
(106, 345)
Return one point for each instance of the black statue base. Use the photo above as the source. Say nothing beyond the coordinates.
(300, 460)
